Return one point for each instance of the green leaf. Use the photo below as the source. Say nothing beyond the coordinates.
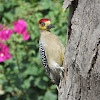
(27, 83)
(40, 83)
(53, 87)
(50, 96)
(8, 16)
(45, 78)
(9, 89)
(1, 7)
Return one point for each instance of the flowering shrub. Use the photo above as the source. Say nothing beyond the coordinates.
(23, 76)
(20, 27)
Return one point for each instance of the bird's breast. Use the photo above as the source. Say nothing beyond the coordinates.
(53, 49)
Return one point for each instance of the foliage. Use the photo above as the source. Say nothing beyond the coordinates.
(23, 77)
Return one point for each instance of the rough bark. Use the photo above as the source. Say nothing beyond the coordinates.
(82, 54)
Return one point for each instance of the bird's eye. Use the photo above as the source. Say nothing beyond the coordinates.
(42, 24)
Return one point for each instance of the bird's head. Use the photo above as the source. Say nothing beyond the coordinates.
(45, 24)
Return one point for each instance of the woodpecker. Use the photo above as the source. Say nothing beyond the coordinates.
(51, 51)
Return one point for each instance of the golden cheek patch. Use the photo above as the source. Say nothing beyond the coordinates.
(42, 28)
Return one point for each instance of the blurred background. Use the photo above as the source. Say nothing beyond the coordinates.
(23, 76)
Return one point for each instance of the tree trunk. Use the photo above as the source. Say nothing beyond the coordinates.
(82, 54)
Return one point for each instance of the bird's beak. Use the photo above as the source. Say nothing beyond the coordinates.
(50, 26)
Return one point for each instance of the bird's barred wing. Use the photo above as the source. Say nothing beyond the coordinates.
(43, 57)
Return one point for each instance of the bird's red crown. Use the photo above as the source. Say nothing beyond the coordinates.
(43, 20)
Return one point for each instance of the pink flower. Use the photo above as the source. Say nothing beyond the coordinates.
(4, 52)
(26, 36)
(20, 26)
(4, 56)
(5, 34)
(1, 27)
